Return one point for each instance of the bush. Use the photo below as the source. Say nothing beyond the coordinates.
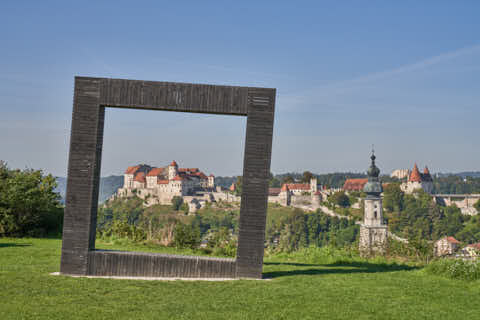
(177, 203)
(186, 236)
(28, 204)
(455, 269)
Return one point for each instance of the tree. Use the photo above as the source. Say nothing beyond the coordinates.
(340, 199)
(274, 182)
(288, 179)
(307, 176)
(239, 185)
(393, 197)
(177, 202)
(186, 236)
(477, 206)
(29, 206)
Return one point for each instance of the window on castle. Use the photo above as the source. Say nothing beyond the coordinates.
(375, 214)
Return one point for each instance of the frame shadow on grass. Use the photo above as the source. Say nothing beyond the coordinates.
(334, 268)
(6, 245)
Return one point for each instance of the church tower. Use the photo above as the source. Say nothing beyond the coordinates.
(373, 230)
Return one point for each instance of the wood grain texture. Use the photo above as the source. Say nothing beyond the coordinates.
(91, 96)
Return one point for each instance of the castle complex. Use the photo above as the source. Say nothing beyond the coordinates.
(160, 185)
(373, 230)
(417, 180)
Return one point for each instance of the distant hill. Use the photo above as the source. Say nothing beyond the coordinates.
(108, 186)
(471, 174)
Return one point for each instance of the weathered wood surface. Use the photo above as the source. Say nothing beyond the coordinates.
(141, 264)
(91, 97)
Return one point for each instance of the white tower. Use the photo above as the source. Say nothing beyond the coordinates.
(313, 185)
(172, 170)
(373, 231)
(211, 181)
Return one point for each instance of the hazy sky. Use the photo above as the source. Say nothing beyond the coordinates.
(403, 75)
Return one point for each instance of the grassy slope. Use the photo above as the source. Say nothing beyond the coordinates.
(296, 291)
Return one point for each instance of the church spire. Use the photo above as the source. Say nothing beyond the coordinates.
(373, 186)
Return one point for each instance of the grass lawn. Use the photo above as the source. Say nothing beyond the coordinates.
(299, 288)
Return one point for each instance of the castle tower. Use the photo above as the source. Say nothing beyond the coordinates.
(172, 170)
(285, 195)
(211, 181)
(313, 185)
(373, 230)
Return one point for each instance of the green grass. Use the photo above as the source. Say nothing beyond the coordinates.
(310, 284)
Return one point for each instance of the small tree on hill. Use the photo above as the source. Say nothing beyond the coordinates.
(307, 176)
(177, 202)
(340, 199)
(288, 179)
(477, 206)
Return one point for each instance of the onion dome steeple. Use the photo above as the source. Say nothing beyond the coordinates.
(373, 186)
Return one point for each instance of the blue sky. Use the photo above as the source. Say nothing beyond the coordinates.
(404, 76)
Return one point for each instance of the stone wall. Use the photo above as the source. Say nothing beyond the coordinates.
(372, 240)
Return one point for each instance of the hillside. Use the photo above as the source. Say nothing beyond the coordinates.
(305, 285)
(108, 186)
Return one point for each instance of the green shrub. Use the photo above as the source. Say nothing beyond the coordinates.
(186, 236)
(455, 269)
(29, 206)
(177, 203)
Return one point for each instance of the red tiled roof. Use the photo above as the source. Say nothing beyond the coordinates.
(155, 172)
(284, 187)
(132, 170)
(140, 177)
(162, 182)
(211, 175)
(452, 240)
(317, 193)
(298, 186)
(415, 175)
(178, 178)
(274, 191)
(192, 170)
(232, 187)
(354, 184)
(201, 175)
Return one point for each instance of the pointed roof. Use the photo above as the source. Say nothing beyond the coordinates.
(284, 187)
(140, 177)
(426, 171)
(174, 164)
(233, 187)
(415, 175)
(452, 240)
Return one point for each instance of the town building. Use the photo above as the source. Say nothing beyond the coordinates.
(373, 230)
(400, 174)
(417, 180)
(472, 250)
(296, 194)
(354, 184)
(446, 246)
